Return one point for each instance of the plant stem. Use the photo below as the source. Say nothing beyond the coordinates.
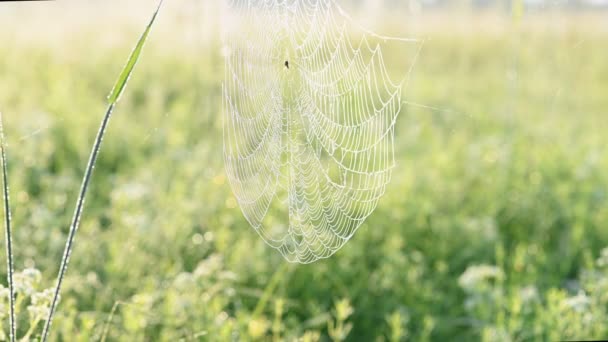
(29, 332)
(106, 327)
(113, 98)
(9, 243)
(76, 218)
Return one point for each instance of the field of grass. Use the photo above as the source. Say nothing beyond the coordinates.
(492, 229)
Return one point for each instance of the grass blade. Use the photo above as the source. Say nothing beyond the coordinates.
(113, 99)
(9, 236)
(124, 76)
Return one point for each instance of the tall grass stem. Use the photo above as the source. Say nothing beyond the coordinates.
(9, 236)
(113, 98)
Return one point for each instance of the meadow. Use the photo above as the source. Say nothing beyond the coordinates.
(494, 228)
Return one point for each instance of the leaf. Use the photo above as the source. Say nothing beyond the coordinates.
(125, 75)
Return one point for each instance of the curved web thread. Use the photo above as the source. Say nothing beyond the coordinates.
(309, 123)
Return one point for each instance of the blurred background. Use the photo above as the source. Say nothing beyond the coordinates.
(493, 228)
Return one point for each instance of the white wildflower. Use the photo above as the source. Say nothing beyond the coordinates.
(4, 294)
(40, 304)
(602, 261)
(528, 294)
(476, 276)
(497, 334)
(579, 303)
(26, 281)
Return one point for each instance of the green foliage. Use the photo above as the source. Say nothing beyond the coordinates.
(492, 229)
(338, 330)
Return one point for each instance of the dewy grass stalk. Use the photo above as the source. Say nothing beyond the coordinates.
(9, 243)
(113, 98)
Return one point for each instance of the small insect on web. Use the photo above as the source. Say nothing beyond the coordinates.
(309, 123)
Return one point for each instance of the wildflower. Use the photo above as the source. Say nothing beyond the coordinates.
(257, 328)
(26, 281)
(208, 266)
(4, 294)
(40, 305)
(343, 309)
(476, 276)
(183, 281)
(492, 333)
(528, 294)
(578, 303)
(602, 261)
(311, 336)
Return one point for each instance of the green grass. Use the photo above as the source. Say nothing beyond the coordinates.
(113, 99)
(512, 172)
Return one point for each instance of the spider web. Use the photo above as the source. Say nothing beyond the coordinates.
(309, 123)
